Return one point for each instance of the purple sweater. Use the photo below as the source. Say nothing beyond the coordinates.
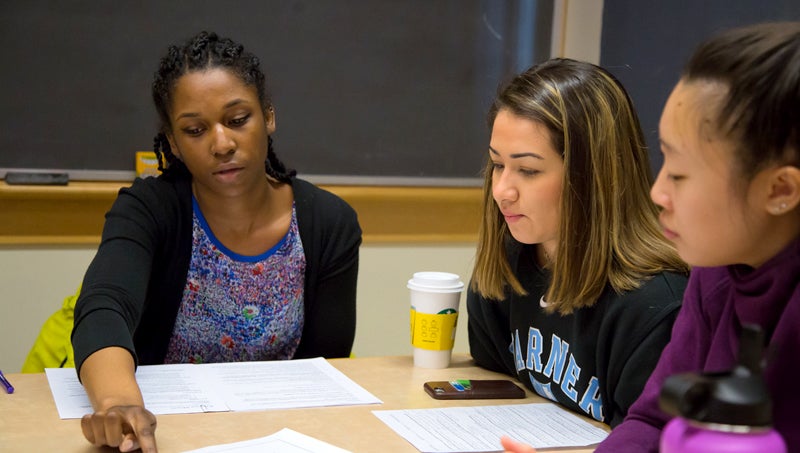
(705, 337)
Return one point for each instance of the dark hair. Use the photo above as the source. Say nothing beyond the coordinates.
(205, 51)
(760, 66)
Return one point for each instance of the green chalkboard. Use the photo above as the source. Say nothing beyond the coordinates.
(646, 43)
(377, 89)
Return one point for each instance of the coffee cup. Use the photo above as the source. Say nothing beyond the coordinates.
(435, 297)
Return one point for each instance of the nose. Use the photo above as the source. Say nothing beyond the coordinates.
(222, 144)
(504, 190)
(658, 193)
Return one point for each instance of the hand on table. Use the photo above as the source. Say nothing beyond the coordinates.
(512, 446)
(126, 427)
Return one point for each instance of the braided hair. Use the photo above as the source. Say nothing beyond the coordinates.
(206, 51)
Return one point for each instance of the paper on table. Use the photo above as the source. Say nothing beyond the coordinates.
(71, 400)
(285, 384)
(188, 388)
(478, 429)
(284, 441)
(166, 389)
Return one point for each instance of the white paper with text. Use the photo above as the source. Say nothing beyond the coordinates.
(219, 387)
(478, 429)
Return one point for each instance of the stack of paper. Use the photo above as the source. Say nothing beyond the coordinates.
(221, 387)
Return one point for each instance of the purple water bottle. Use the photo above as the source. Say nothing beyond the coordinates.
(728, 412)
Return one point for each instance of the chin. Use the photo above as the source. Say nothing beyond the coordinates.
(524, 239)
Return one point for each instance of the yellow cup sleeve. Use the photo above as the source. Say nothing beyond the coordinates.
(435, 332)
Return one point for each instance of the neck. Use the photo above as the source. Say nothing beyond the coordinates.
(544, 256)
(243, 213)
(783, 233)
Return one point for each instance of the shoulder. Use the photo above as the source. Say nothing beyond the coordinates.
(327, 224)
(159, 190)
(314, 202)
(666, 286)
(158, 183)
(657, 296)
(648, 311)
(152, 204)
(706, 286)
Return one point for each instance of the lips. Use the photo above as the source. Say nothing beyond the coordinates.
(227, 170)
(512, 217)
(228, 174)
(669, 234)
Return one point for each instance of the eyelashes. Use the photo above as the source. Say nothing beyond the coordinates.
(236, 122)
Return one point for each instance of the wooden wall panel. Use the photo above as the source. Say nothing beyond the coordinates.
(74, 214)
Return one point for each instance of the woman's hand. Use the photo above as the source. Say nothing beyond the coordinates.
(119, 418)
(512, 446)
(126, 427)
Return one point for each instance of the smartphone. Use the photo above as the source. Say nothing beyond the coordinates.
(473, 389)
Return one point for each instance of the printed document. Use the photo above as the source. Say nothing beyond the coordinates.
(478, 429)
(221, 387)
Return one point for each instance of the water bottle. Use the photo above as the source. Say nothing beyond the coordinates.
(727, 412)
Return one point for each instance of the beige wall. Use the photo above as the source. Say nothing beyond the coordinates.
(577, 29)
(35, 280)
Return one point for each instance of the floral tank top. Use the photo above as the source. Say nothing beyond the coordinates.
(239, 308)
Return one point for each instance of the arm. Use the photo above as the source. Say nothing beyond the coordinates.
(332, 236)
(114, 288)
(120, 419)
(329, 329)
(639, 365)
(641, 429)
(107, 313)
(489, 332)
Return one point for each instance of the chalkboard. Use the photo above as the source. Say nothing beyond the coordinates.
(381, 89)
(646, 43)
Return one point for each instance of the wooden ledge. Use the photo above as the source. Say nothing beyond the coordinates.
(74, 214)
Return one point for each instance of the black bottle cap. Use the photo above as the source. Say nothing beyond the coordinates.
(735, 397)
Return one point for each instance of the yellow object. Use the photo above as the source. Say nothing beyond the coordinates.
(53, 348)
(146, 164)
(435, 332)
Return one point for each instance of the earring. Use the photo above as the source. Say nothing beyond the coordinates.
(780, 208)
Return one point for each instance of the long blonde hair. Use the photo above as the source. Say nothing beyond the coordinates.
(608, 231)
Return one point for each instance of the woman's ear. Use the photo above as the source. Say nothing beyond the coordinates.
(269, 118)
(784, 190)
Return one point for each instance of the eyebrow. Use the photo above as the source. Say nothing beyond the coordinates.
(518, 155)
(226, 106)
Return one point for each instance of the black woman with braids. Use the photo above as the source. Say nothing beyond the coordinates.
(226, 256)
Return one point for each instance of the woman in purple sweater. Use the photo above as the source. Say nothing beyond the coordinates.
(730, 193)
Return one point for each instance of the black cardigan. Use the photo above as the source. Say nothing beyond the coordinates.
(133, 288)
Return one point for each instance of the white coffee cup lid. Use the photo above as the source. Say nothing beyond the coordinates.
(436, 282)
